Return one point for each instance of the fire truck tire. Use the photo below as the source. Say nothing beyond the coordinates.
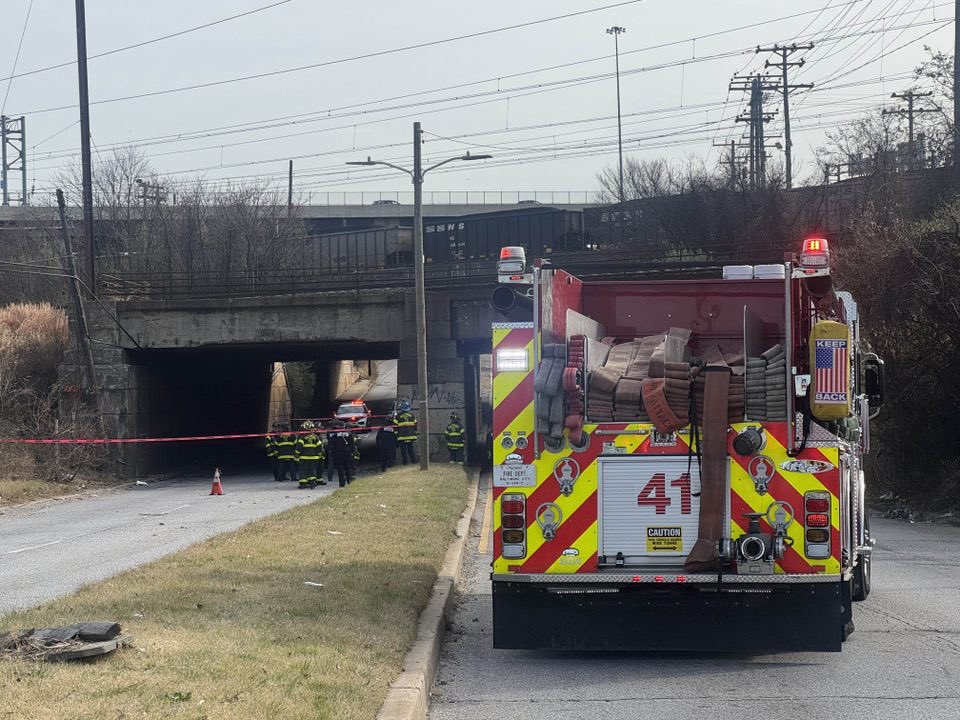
(861, 573)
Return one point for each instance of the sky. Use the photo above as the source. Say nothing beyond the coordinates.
(530, 83)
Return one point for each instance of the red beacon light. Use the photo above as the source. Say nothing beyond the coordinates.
(512, 266)
(815, 254)
(513, 261)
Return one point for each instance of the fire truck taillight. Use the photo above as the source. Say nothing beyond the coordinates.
(513, 525)
(512, 507)
(815, 254)
(817, 505)
(816, 521)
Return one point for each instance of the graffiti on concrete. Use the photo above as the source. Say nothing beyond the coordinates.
(441, 396)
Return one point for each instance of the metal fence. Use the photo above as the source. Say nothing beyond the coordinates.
(455, 197)
(611, 265)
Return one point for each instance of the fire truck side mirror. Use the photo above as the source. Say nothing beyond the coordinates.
(873, 380)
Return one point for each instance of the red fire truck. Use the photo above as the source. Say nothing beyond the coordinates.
(678, 463)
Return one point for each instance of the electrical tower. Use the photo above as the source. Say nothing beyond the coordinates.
(784, 86)
(910, 111)
(151, 192)
(13, 141)
(756, 118)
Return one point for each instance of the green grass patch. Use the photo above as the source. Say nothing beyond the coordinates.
(229, 629)
(17, 492)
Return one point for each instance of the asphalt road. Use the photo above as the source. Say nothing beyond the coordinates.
(903, 661)
(51, 548)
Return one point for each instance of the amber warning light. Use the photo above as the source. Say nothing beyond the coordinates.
(815, 253)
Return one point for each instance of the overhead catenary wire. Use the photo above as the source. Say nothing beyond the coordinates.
(327, 113)
(522, 91)
(352, 58)
(180, 33)
(16, 59)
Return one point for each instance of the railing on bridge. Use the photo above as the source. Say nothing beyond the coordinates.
(594, 265)
(456, 197)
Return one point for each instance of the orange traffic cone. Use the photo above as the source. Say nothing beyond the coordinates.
(217, 487)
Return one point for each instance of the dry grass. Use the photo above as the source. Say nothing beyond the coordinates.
(17, 492)
(228, 630)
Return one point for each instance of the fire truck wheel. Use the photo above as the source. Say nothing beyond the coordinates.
(861, 573)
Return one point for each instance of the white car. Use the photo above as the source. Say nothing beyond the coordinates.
(354, 414)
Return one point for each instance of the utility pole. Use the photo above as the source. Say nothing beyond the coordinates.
(423, 390)
(13, 139)
(756, 119)
(910, 111)
(785, 51)
(81, 335)
(731, 161)
(290, 192)
(956, 89)
(85, 159)
(616, 31)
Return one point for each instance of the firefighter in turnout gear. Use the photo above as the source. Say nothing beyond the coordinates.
(406, 424)
(342, 446)
(287, 456)
(454, 435)
(387, 444)
(309, 450)
(270, 444)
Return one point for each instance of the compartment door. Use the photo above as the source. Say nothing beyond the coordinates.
(649, 509)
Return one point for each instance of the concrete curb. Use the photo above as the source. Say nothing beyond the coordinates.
(409, 695)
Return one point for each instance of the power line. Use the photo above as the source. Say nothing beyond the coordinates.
(327, 114)
(340, 61)
(498, 95)
(16, 58)
(144, 43)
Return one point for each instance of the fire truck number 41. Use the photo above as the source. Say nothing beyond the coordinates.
(655, 493)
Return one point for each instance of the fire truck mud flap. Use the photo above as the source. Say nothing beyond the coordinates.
(736, 618)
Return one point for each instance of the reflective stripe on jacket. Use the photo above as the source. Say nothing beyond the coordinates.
(406, 424)
(271, 446)
(286, 448)
(309, 447)
(454, 436)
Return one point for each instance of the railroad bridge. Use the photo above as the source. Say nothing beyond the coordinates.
(176, 358)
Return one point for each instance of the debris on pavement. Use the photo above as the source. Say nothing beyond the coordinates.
(57, 644)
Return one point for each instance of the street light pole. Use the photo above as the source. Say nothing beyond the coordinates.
(616, 30)
(423, 391)
(417, 174)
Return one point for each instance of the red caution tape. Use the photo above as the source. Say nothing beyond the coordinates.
(190, 438)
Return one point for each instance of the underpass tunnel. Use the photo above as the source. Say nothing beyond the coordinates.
(230, 390)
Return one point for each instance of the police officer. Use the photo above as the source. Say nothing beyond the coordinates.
(309, 448)
(387, 443)
(454, 435)
(342, 446)
(270, 444)
(287, 455)
(406, 424)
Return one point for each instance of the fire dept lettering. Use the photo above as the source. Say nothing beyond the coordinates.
(664, 539)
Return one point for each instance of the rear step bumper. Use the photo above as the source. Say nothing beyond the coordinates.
(683, 617)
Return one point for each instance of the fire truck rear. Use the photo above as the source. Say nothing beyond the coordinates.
(678, 463)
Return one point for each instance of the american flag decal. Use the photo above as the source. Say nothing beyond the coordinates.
(832, 368)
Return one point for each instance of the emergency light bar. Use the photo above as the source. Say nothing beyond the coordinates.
(814, 258)
(512, 266)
